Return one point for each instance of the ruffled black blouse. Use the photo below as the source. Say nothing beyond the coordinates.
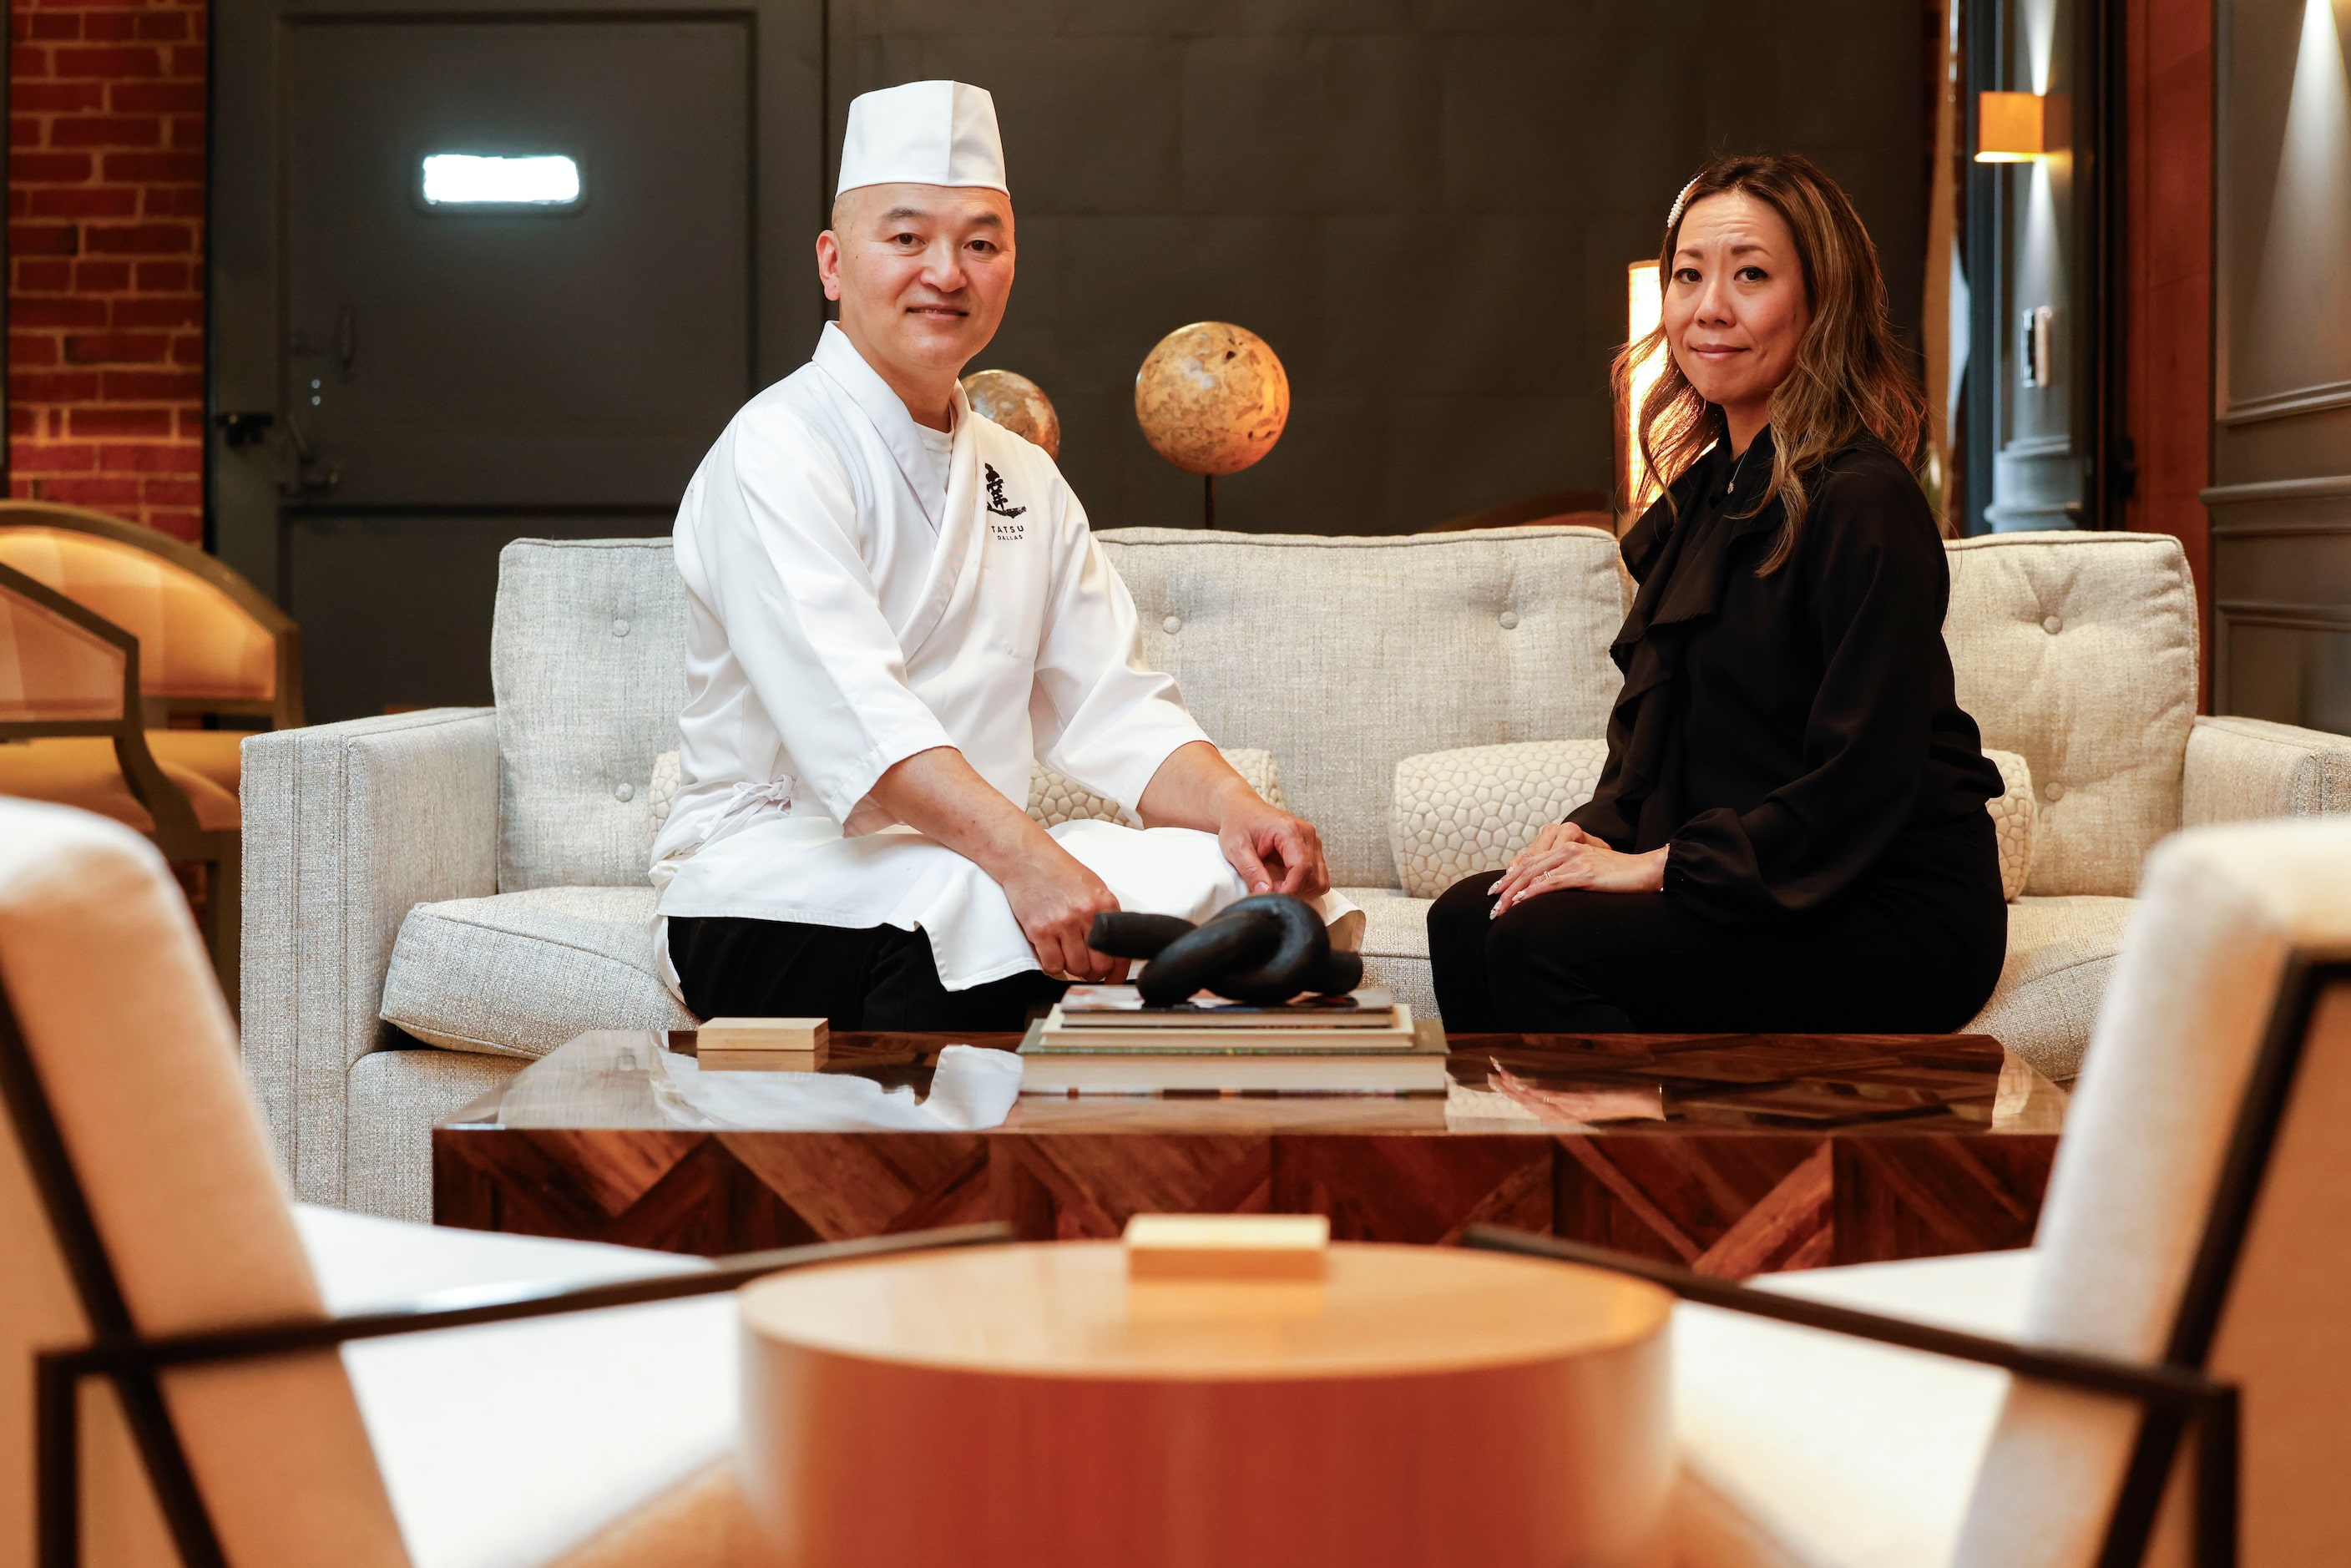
(1791, 736)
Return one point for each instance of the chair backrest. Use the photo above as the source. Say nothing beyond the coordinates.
(135, 1063)
(208, 640)
(1339, 656)
(54, 667)
(2078, 650)
(2225, 969)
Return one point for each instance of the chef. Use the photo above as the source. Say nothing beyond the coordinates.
(894, 607)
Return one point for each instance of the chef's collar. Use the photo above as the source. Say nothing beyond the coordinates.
(838, 358)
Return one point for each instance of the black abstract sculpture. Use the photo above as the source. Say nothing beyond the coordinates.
(1262, 951)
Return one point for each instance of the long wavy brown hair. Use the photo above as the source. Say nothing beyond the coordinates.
(1849, 376)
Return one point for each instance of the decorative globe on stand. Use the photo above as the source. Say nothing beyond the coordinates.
(1212, 399)
(1016, 404)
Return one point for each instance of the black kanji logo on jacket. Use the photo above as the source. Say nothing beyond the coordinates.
(996, 493)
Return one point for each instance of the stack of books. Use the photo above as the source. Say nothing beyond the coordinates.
(1103, 1040)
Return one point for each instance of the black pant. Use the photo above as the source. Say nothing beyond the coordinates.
(1882, 962)
(874, 978)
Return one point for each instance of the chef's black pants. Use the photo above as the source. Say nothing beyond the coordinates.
(1579, 962)
(874, 978)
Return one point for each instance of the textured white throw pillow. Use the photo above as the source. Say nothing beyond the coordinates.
(2016, 815)
(1458, 812)
(1052, 799)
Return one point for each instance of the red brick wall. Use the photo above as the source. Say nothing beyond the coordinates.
(106, 308)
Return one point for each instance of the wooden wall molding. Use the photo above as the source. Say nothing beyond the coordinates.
(2313, 399)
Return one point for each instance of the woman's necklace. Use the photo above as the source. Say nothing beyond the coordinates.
(1740, 462)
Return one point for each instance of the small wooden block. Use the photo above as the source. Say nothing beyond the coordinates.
(762, 1045)
(1227, 1246)
(762, 1061)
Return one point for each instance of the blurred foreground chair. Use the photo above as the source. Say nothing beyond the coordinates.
(2194, 1254)
(204, 642)
(192, 1370)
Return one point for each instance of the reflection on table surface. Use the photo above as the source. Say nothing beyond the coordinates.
(1861, 1085)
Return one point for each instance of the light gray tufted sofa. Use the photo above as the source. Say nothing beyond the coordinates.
(479, 874)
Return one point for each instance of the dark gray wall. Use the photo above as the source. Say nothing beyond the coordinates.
(2281, 492)
(1425, 206)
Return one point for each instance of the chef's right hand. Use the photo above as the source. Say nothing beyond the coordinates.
(1056, 898)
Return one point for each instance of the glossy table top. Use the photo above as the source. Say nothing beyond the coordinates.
(1849, 1085)
(1068, 1310)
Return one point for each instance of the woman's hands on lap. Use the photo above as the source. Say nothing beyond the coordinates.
(1564, 856)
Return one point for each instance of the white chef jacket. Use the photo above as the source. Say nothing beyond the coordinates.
(842, 616)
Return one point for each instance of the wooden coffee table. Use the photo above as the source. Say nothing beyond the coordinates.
(1776, 1152)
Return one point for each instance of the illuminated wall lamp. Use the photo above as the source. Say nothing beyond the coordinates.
(2020, 126)
(1644, 305)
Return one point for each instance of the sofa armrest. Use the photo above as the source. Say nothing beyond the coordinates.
(2246, 768)
(347, 826)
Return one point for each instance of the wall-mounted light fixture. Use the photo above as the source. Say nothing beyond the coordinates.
(2020, 126)
(1644, 308)
(544, 182)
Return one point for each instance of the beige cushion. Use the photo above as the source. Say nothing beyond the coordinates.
(2100, 706)
(527, 1443)
(1395, 944)
(1813, 1449)
(587, 662)
(115, 999)
(2199, 978)
(2061, 956)
(1456, 813)
(1343, 656)
(520, 973)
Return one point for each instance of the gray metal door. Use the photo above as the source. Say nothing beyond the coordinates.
(486, 275)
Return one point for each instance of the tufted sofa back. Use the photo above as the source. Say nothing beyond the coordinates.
(588, 663)
(2078, 650)
(1342, 655)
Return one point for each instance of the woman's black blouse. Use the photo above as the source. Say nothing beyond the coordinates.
(1784, 734)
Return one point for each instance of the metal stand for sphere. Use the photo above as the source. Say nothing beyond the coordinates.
(1210, 480)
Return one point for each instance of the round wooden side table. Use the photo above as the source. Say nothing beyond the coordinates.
(1033, 1405)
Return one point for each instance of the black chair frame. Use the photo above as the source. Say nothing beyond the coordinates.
(133, 1362)
(2175, 1394)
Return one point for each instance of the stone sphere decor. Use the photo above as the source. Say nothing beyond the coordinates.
(1016, 404)
(1212, 398)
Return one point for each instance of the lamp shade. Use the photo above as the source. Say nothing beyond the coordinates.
(1643, 307)
(2019, 127)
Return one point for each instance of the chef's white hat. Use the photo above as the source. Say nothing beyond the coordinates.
(924, 133)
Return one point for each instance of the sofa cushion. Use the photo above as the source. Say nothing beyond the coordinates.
(1456, 813)
(2078, 650)
(520, 973)
(1395, 944)
(2061, 954)
(588, 661)
(1343, 656)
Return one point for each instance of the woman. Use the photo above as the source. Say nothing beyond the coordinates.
(1790, 832)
